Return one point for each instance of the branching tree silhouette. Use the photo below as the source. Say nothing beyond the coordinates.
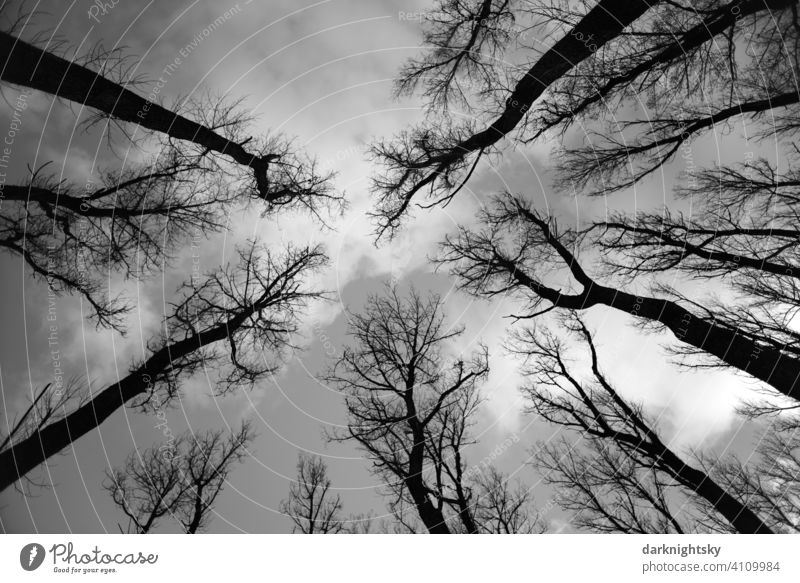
(680, 62)
(131, 224)
(396, 381)
(238, 321)
(410, 406)
(314, 509)
(518, 249)
(311, 505)
(45, 406)
(279, 175)
(768, 481)
(134, 221)
(625, 478)
(505, 507)
(466, 39)
(735, 66)
(484, 499)
(177, 480)
(742, 235)
(607, 492)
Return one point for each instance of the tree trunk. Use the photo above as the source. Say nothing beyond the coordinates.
(22, 457)
(464, 511)
(432, 517)
(760, 360)
(738, 514)
(26, 65)
(603, 23)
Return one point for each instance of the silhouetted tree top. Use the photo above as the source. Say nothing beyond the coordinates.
(398, 380)
(466, 40)
(178, 480)
(626, 477)
(46, 405)
(411, 402)
(742, 235)
(522, 252)
(132, 223)
(237, 323)
(768, 478)
(278, 174)
(679, 62)
(184, 177)
(311, 505)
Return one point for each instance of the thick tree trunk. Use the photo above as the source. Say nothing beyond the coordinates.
(760, 360)
(738, 514)
(713, 24)
(432, 517)
(24, 64)
(466, 518)
(603, 23)
(464, 511)
(20, 458)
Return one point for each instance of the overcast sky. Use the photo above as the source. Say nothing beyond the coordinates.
(321, 71)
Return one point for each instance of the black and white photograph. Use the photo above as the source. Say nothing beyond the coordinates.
(394, 267)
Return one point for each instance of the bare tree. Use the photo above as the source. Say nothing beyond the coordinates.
(441, 159)
(500, 506)
(178, 480)
(279, 175)
(466, 39)
(632, 461)
(679, 61)
(397, 379)
(238, 321)
(505, 507)
(410, 407)
(311, 505)
(769, 478)
(607, 492)
(48, 404)
(134, 221)
(519, 249)
(735, 64)
(742, 235)
(131, 224)
(684, 70)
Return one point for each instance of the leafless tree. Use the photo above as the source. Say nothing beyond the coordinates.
(311, 505)
(443, 158)
(410, 406)
(522, 252)
(396, 379)
(238, 321)
(278, 174)
(769, 479)
(131, 224)
(466, 39)
(505, 507)
(735, 64)
(500, 506)
(135, 220)
(626, 480)
(742, 235)
(177, 480)
(48, 404)
(607, 492)
(677, 63)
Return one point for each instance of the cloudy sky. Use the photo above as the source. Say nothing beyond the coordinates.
(321, 71)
